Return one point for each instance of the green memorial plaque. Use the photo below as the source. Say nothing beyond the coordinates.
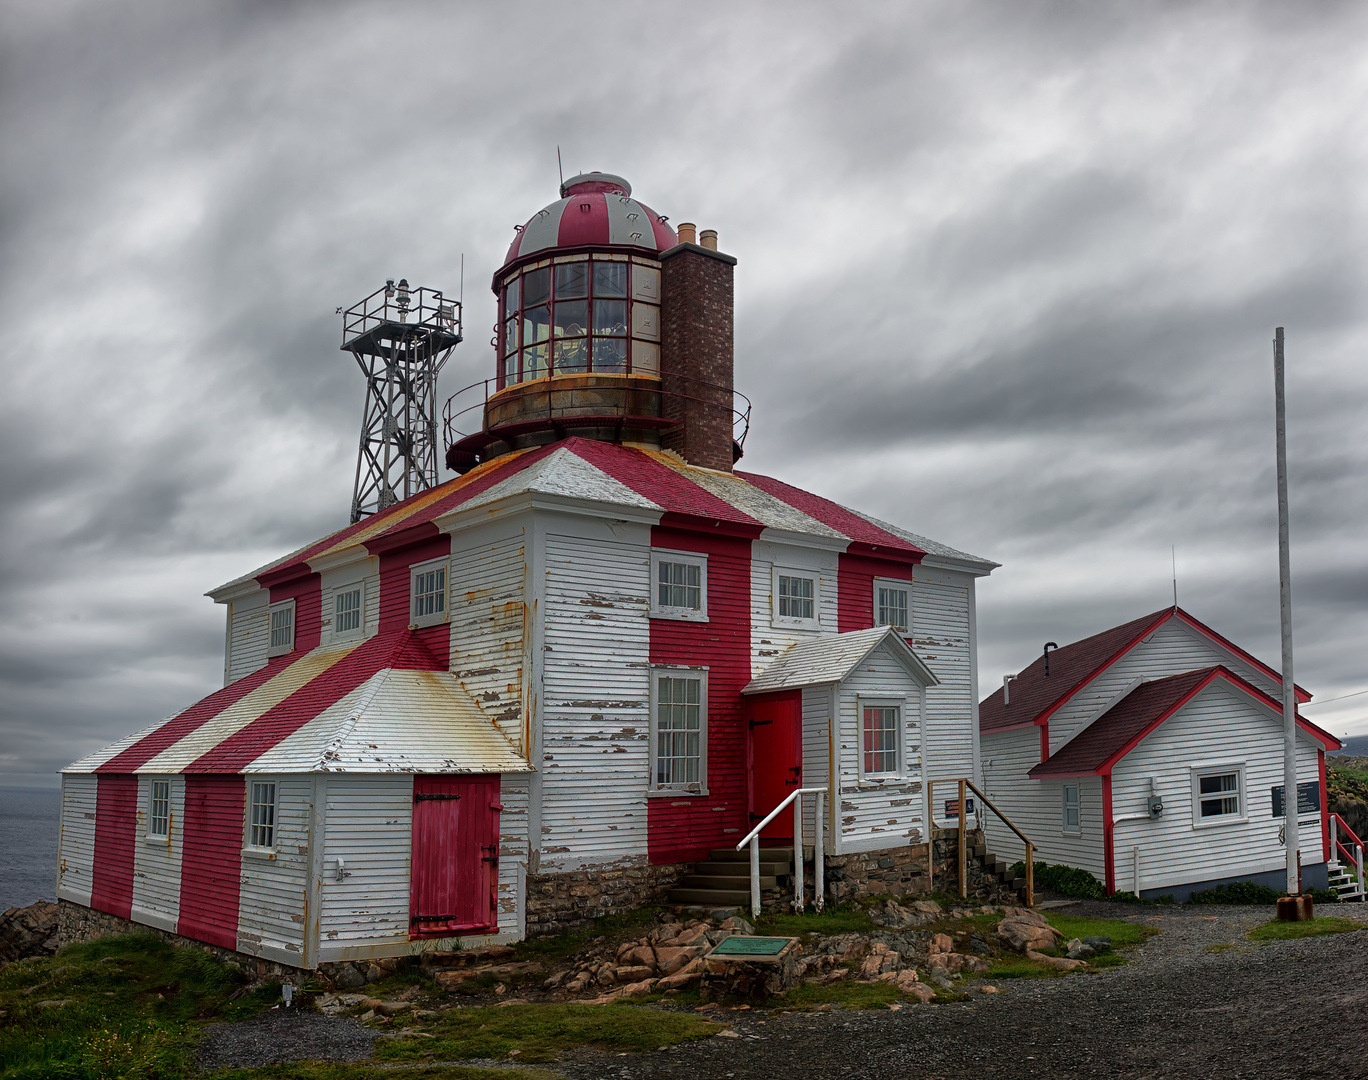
(751, 946)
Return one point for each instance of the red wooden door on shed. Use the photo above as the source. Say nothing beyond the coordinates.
(453, 888)
(776, 758)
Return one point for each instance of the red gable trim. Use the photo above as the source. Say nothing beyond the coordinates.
(1302, 695)
(1044, 717)
(866, 538)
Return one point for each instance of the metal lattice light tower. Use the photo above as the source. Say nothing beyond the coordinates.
(400, 337)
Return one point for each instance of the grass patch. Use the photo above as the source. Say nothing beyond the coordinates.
(132, 1006)
(1012, 966)
(1122, 932)
(840, 919)
(331, 1070)
(540, 1032)
(563, 946)
(1288, 931)
(853, 995)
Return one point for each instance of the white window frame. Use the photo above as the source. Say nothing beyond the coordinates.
(899, 742)
(284, 647)
(1076, 829)
(436, 617)
(1200, 771)
(358, 587)
(688, 614)
(254, 824)
(789, 620)
(901, 586)
(152, 835)
(654, 788)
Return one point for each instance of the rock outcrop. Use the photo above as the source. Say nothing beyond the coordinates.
(28, 931)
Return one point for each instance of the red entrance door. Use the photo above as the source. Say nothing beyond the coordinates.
(776, 758)
(455, 865)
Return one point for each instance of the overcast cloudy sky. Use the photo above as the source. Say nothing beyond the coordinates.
(1008, 276)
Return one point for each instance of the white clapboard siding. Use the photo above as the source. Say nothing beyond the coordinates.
(817, 732)
(1171, 650)
(940, 636)
(513, 848)
(76, 846)
(488, 623)
(369, 825)
(271, 904)
(595, 710)
(1036, 806)
(889, 813)
(1220, 726)
(249, 635)
(157, 863)
(365, 574)
(768, 640)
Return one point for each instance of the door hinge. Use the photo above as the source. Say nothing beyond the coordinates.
(759, 723)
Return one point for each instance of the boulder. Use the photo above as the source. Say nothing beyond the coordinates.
(895, 915)
(1100, 944)
(640, 954)
(28, 931)
(685, 976)
(665, 932)
(905, 980)
(737, 925)
(670, 958)
(393, 1008)
(1024, 932)
(693, 935)
(633, 973)
(1076, 950)
(1055, 961)
(940, 943)
(880, 959)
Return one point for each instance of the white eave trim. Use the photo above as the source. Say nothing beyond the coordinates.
(976, 567)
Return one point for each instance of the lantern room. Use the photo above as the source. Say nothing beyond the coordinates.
(581, 344)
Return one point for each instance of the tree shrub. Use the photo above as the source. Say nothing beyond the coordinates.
(1065, 880)
(1236, 892)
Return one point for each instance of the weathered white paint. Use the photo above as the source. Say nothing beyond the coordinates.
(829, 658)
(941, 638)
(157, 863)
(271, 903)
(363, 574)
(248, 634)
(76, 843)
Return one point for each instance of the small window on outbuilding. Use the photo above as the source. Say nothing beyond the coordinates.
(795, 598)
(282, 628)
(262, 816)
(1217, 794)
(679, 585)
(679, 730)
(347, 610)
(1072, 820)
(159, 810)
(429, 594)
(891, 605)
(880, 739)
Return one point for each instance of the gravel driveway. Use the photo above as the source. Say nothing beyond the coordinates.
(1295, 1009)
(281, 1035)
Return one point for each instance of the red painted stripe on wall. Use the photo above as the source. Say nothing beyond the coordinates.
(181, 725)
(399, 648)
(834, 516)
(855, 588)
(307, 593)
(116, 831)
(684, 828)
(211, 866)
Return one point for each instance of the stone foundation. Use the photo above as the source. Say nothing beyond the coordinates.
(901, 871)
(573, 899)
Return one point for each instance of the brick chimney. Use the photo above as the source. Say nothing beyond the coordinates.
(696, 350)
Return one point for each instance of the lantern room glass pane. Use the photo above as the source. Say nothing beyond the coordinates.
(572, 318)
(610, 355)
(536, 286)
(572, 280)
(510, 370)
(511, 297)
(610, 279)
(510, 336)
(536, 325)
(570, 356)
(534, 362)
(610, 317)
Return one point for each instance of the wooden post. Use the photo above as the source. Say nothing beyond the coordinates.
(798, 854)
(930, 838)
(818, 855)
(755, 876)
(963, 846)
(1030, 874)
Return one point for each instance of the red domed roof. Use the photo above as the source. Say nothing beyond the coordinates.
(595, 210)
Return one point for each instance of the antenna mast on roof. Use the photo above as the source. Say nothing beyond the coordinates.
(400, 337)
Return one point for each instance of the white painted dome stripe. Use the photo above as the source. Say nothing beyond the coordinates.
(543, 231)
(629, 223)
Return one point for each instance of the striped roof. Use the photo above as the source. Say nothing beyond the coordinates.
(333, 709)
(832, 657)
(595, 210)
(648, 481)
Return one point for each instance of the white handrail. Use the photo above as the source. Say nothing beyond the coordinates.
(818, 850)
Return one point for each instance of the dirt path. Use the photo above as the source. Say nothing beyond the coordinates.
(1296, 1010)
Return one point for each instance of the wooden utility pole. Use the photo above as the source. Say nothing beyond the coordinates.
(1289, 688)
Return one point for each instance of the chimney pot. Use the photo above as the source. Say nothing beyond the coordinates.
(686, 232)
(708, 239)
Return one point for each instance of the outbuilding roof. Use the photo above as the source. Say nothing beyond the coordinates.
(832, 657)
(649, 481)
(382, 705)
(1104, 742)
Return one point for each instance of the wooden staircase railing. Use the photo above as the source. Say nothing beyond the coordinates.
(966, 785)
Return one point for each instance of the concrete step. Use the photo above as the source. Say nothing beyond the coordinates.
(710, 897)
(767, 854)
(726, 884)
(741, 870)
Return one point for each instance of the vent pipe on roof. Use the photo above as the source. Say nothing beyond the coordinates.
(1048, 646)
(1007, 681)
(708, 239)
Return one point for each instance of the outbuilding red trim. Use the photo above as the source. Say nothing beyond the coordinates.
(116, 831)
(1108, 836)
(211, 866)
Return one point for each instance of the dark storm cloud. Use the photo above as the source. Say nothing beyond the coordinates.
(1008, 275)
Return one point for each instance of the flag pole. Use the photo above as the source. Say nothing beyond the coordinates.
(1289, 689)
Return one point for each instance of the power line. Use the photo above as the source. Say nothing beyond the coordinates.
(1356, 693)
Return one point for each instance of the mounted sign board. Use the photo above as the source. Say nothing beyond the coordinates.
(1308, 799)
(952, 806)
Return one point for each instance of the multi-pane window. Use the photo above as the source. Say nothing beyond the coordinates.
(1070, 809)
(1218, 795)
(159, 810)
(429, 593)
(261, 823)
(347, 611)
(880, 725)
(579, 315)
(891, 604)
(282, 628)
(679, 585)
(679, 730)
(796, 597)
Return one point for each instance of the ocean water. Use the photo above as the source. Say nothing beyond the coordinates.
(28, 845)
